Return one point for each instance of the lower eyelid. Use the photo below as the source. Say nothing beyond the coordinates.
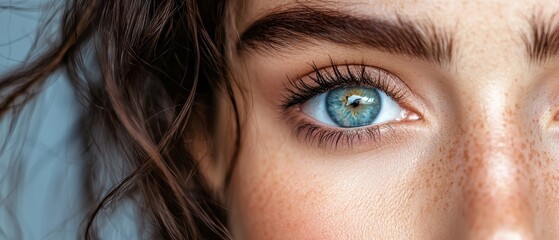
(331, 138)
(310, 132)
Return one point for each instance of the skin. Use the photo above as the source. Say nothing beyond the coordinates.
(480, 163)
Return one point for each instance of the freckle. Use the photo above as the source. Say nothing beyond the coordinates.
(479, 185)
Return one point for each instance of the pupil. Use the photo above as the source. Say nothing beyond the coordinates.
(355, 103)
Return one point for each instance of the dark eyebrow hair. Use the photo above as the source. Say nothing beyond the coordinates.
(542, 43)
(302, 24)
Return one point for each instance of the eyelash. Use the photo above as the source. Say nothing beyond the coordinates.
(335, 76)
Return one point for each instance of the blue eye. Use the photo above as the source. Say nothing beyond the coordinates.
(349, 107)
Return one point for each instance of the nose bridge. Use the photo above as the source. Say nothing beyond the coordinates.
(496, 189)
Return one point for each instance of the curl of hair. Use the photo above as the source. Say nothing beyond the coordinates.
(159, 65)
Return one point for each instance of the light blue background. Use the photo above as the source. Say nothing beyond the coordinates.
(40, 171)
(40, 162)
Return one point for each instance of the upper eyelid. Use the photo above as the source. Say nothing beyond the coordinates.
(298, 89)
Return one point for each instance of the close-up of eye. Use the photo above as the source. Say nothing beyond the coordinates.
(346, 102)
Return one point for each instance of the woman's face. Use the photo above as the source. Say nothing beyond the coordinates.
(397, 119)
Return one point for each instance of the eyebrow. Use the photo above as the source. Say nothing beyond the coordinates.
(304, 24)
(542, 43)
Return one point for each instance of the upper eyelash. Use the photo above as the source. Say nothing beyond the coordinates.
(299, 91)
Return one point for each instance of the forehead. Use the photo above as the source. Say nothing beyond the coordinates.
(250, 10)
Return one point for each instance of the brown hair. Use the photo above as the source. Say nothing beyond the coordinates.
(160, 66)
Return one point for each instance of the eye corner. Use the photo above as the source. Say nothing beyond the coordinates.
(409, 116)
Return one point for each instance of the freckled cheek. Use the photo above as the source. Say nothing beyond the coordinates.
(301, 197)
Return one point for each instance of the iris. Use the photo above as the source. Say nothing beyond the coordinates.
(353, 106)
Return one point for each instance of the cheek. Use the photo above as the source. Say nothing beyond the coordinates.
(271, 200)
(285, 192)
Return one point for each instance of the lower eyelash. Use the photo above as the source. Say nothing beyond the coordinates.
(331, 138)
